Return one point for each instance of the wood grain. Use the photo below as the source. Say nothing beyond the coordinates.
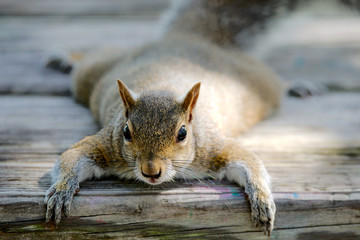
(83, 8)
(27, 42)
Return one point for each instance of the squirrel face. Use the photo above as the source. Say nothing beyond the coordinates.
(158, 133)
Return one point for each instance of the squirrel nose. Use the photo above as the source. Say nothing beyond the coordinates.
(151, 175)
(151, 169)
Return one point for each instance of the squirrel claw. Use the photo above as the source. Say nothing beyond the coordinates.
(56, 200)
(263, 213)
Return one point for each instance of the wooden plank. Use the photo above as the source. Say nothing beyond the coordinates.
(36, 33)
(84, 7)
(148, 230)
(310, 150)
(335, 66)
(318, 44)
(27, 42)
(196, 214)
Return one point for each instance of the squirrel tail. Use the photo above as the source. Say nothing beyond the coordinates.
(230, 22)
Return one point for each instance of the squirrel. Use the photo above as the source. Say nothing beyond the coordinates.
(156, 126)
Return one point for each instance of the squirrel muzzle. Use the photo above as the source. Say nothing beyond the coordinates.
(152, 171)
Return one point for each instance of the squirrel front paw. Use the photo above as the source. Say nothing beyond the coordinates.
(60, 196)
(263, 210)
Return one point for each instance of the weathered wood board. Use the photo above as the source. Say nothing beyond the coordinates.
(83, 8)
(310, 150)
(26, 43)
(32, 30)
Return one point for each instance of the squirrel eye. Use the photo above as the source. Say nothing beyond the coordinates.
(182, 134)
(127, 135)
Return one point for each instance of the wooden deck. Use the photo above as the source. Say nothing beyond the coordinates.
(311, 148)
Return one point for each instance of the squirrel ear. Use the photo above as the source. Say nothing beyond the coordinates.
(127, 97)
(190, 99)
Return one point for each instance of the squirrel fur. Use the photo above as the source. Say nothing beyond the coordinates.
(157, 125)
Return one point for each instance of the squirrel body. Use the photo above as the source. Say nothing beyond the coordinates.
(162, 128)
(245, 88)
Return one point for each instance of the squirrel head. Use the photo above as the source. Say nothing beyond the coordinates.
(158, 132)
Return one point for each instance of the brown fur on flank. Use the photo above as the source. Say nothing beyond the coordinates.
(157, 99)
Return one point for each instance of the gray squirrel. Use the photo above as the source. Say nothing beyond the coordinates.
(177, 108)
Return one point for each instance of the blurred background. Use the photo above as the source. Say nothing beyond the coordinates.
(320, 42)
(30, 30)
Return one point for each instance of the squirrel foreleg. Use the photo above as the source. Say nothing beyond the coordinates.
(74, 166)
(244, 168)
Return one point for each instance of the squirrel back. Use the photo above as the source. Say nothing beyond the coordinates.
(237, 91)
(222, 23)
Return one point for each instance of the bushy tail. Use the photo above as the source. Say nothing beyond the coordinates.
(230, 22)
